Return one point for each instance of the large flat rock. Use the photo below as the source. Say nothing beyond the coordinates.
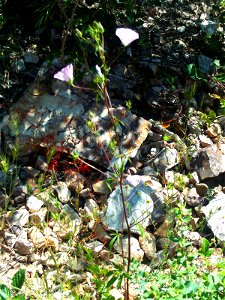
(73, 119)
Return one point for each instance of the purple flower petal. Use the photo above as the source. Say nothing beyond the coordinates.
(66, 74)
(126, 35)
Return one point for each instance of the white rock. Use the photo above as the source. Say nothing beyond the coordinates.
(204, 140)
(215, 215)
(34, 204)
(91, 208)
(136, 251)
(20, 217)
(63, 192)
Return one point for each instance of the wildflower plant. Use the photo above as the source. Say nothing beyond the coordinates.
(126, 36)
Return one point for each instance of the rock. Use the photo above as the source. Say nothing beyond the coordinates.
(213, 131)
(85, 193)
(31, 57)
(18, 65)
(141, 194)
(63, 192)
(194, 237)
(62, 259)
(148, 171)
(72, 127)
(101, 187)
(38, 217)
(192, 197)
(214, 213)
(19, 194)
(31, 171)
(209, 27)
(204, 141)
(23, 246)
(10, 239)
(206, 64)
(148, 244)
(201, 189)
(179, 180)
(100, 233)
(136, 251)
(154, 137)
(73, 225)
(20, 217)
(119, 69)
(193, 125)
(209, 162)
(41, 163)
(166, 159)
(163, 230)
(95, 246)
(91, 208)
(34, 204)
(43, 240)
(74, 181)
(116, 294)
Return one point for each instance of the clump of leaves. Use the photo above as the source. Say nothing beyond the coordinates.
(13, 293)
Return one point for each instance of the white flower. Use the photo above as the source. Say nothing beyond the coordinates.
(66, 74)
(98, 69)
(126, 35)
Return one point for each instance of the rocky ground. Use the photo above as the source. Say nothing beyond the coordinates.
(58, 193)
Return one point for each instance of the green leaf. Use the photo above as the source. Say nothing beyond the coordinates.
(111, 281)
(189, 288)
(204, 250)
(220, 77)
(19, 297)
(5, 293)
(18, 279)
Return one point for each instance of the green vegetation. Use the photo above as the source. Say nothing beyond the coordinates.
(83, 32)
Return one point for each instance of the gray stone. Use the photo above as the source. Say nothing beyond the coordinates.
(63, 192)
(209, 27)
(141, 193)
(41, 163)
(166, 159)
(20, 217)
(31, 57)
(122, 243)
(38, 217)
(148, 244)
(91, 208)
(38, 118)
(214, 213)
(23, 246)
(18, 65)
(205, 63)
(209, 162)
(192, 197)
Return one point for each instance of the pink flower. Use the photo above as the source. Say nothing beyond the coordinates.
(134, 179)
(126, 35)
(66, 74)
